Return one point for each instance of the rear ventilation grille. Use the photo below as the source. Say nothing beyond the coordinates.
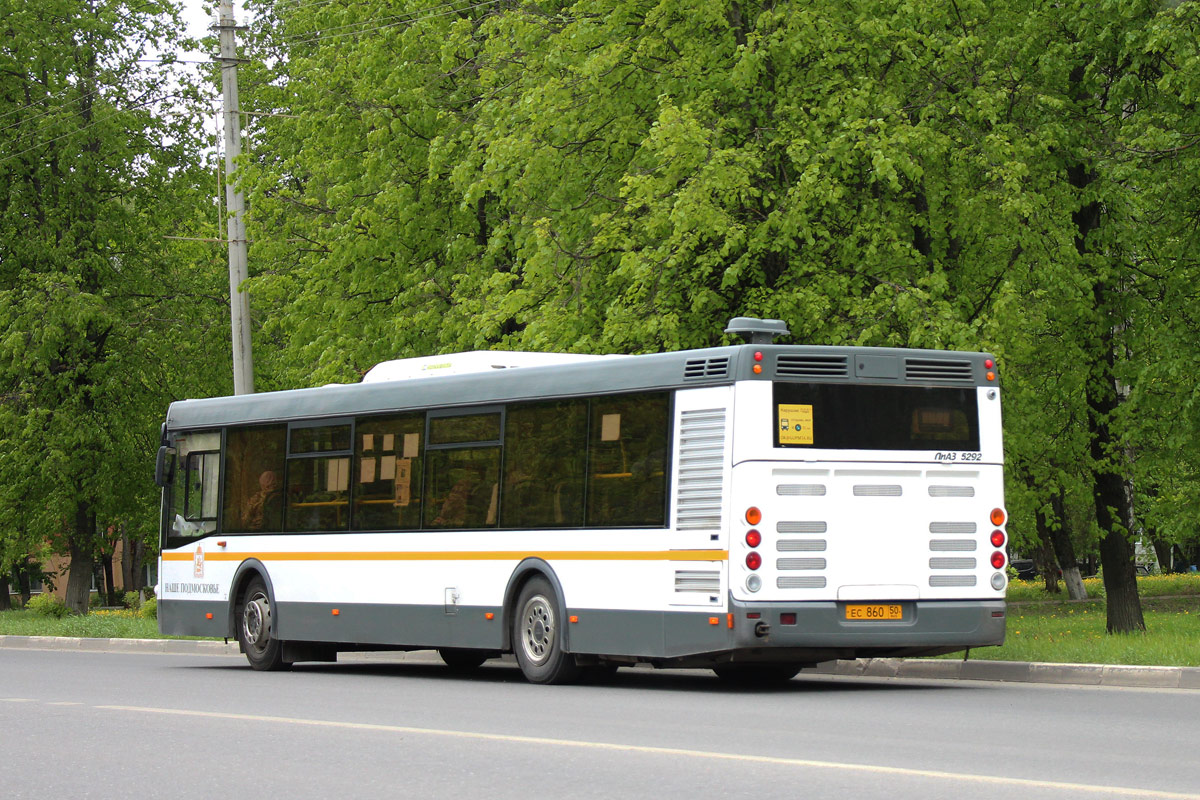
(953, 545)
(703, 581)
(952, 527)
(939, 369)
(800, 582)
(946, 562)
(811, 366)
(701, 473)
(801, 545)
(951, 491)
(799, 563)
(698, 368)
(877, 491)
(801, 527)
(951, 580)
(800, 489)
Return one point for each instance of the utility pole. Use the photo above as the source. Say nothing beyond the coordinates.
(235, 205)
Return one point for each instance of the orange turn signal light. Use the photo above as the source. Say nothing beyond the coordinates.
(336, 612)
(753, 515)
(489, 615)
(998, 516)
(208, 615)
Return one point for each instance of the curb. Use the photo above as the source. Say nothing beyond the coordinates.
(928, 669)
(1017, 672)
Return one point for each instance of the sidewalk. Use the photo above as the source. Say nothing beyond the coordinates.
(929, 669)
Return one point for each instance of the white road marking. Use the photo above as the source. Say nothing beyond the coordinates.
(995, 780)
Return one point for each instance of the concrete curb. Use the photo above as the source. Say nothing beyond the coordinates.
(929, 669)
(1018, 672)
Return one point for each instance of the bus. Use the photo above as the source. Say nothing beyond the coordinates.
(751, 509)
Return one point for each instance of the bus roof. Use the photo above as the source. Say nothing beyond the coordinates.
(583, 376)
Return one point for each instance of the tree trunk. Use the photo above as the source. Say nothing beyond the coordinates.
(1162, 554)
(1064, 550)
(24, 584)
(79, 580)
(5, 600)
(133, 551)
(110, 586)
(1046, 553)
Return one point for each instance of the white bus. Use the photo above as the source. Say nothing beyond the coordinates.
(752, 509)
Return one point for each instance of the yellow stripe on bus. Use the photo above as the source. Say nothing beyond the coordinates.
(454, 555)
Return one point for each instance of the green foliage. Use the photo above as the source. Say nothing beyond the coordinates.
(47, 605)
(131, 600)
(103, 320)
(149, 609)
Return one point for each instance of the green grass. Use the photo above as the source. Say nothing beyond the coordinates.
(96, 625)
(1041, 627)
(1075, 633)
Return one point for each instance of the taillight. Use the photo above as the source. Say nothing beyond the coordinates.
(997, 538)
(998, 517)
(754, 516)
(998, 560)
(754, 538)
(753, 560)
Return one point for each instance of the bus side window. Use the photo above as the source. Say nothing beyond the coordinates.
(545, 451)
(388, 472)
(627, 459)
(254, 465)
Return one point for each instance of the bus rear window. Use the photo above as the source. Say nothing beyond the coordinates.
(866, 417)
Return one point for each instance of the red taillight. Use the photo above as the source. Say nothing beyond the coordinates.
(754, 538)
(997, 538)
(998, 560)
(758, 356)
(754, 516)
(989, 363)
(998, 517)
(753, 560)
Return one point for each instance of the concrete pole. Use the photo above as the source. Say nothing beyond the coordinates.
(235, 204)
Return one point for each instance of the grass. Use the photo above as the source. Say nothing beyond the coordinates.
(103, 624)
(1041, 627)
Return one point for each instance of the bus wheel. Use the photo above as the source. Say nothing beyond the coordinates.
(753, 675)
(537, 636)
(459, 658)
(256, 629)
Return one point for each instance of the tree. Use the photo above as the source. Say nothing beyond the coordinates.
(98, 311)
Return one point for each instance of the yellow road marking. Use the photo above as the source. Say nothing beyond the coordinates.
(465, 555)
(997, 780)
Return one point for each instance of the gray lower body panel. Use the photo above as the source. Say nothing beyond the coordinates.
(814, 631)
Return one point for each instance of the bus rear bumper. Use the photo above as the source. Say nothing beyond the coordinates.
(924, 627)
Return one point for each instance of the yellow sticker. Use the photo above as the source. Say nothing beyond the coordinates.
(795, 424)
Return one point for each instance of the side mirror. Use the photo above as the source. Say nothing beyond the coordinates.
(164, 466)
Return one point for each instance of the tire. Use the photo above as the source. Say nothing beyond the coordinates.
(256, 629)
(537, 636)
(463, 660)
(751, 676)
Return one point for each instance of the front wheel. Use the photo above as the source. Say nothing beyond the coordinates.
(537, 636)
(256, 629)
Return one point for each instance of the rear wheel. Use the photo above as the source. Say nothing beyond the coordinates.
(537, 636)
(752, 675)
(256, 629)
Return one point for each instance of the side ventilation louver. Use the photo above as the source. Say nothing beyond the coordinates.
(697, 368)
(939, 369)
(701, 470)
(812, 366)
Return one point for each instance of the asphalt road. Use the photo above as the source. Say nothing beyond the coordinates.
(111, 725)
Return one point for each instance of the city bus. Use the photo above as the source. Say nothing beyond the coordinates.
(751, 509)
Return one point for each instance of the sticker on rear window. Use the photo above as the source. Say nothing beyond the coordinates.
(795, 424)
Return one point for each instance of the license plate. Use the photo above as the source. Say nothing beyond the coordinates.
(875, 611)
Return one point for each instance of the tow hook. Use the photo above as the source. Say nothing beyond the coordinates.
(762, 630)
